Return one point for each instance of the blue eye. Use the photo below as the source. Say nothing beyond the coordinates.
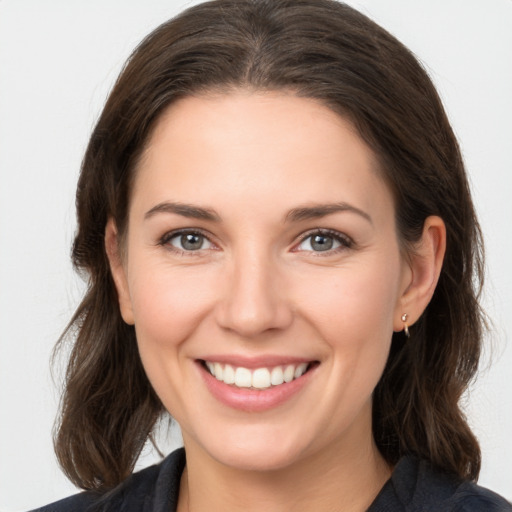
(323, 242)
(188, 241)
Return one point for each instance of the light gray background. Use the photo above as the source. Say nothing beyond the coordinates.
(58, 60)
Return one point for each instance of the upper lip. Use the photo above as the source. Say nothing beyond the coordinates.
(264, 361)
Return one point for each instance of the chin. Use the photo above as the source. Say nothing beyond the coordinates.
(252, 451)
(261, 460)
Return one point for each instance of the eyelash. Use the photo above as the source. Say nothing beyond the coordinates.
(344, 241)
(164, 241)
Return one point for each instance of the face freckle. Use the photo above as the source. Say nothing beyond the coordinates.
(261, 237)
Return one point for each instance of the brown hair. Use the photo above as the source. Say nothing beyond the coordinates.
(318, 49)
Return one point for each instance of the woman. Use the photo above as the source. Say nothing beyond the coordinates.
(282, 251)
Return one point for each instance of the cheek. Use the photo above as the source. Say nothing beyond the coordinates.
(354, 316)
(353, 313)
(353, 305)
(168, 304)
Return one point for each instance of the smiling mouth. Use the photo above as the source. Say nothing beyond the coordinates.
(258, 378)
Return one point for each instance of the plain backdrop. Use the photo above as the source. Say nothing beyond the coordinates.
(58, 60)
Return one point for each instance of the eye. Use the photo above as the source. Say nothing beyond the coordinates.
(323, 241)
(187, 241)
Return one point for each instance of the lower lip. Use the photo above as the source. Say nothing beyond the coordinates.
(254, 400)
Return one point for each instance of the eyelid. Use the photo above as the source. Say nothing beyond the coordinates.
(345, 241)
(169, 235)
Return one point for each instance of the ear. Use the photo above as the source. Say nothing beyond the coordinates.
(425, 262)
(118, 271)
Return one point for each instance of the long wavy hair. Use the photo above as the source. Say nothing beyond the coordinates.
(319, 49)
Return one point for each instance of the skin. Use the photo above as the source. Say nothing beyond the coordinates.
(256, 287)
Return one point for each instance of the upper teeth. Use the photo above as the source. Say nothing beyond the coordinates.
(260, 378)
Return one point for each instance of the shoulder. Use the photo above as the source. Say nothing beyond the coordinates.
(417, 486)
(455, 494)
(470, 497)
(155, 487)
(79, 502)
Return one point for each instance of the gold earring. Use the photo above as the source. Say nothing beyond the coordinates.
(406, 327)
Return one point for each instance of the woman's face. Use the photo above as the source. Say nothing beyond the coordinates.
(262, 247)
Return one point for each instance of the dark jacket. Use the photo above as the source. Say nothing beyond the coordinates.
(413, 487)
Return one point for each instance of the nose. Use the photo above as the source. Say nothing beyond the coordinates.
(254, 299)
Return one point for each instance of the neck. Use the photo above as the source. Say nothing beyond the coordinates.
(339, 479)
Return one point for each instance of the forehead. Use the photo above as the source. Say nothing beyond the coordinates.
(256, 145)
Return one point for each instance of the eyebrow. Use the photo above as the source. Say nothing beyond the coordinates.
(321, 210)
(185, 210)
(300, 213)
